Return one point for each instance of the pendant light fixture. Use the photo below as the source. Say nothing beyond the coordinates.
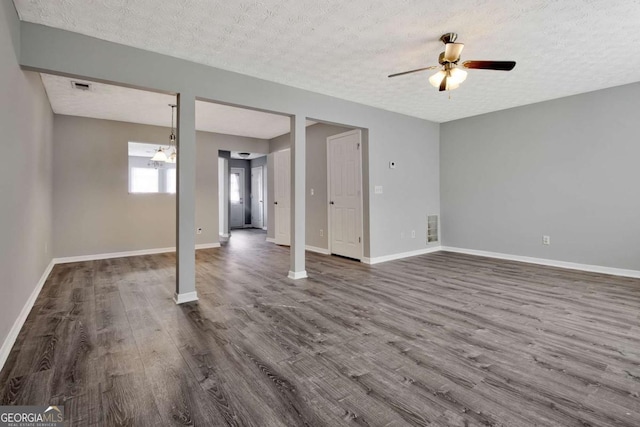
(160, 155)
(173, 157)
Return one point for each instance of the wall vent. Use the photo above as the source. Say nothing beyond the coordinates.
(81, 85)
(432, 228)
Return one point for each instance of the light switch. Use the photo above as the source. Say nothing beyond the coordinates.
(378, 189)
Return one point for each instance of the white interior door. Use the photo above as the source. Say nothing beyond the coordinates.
(345, 194)
(236, 197)
(257, 197)
(282, 196)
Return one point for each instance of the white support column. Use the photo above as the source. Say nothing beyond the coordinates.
(298, 192)
(186, 201)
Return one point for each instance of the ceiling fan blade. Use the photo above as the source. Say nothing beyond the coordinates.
(433, 67)
(490, 65)
(443, 84)
(452, 51)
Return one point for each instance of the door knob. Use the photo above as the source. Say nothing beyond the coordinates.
(275, 203)
(331, 202)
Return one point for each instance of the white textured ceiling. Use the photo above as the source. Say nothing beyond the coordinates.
(110, 102)
(347, 48)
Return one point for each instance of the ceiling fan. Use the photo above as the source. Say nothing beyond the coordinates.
(450, 76)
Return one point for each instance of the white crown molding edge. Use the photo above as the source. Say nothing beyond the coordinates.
(548, 262)
(401, 255)
(8, 343)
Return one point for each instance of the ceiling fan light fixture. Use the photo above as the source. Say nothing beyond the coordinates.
(457, 75)
(452, 85)
(436, 79)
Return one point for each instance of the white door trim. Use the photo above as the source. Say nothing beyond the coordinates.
(342, 135)
(260, 203)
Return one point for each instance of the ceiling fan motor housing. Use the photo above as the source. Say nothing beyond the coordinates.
(449, 38)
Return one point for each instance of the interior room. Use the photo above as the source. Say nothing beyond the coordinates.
(320, 213)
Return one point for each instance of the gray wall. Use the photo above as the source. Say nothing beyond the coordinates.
(567, 168)
(411, 190)
(93, 212)
(26, 123)
(316, 177)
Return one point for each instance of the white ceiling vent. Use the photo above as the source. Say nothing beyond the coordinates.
(80, 85)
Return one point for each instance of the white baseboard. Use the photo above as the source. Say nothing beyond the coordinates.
(7, 345)
(548, 262)
(264, 228)
(185, 297)
(110, 255)
(224, 235)
(207, 245)
(295, 275)
(401, 255)
(317, 250)
(96, 257)
(271, 240)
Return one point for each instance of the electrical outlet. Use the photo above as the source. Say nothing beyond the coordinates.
(312, 192)
(321, 233)
(413, 234)
(378, 189)
(198, 230)
(546, 240)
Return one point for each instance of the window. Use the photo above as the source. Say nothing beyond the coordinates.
(147, 177)
(144, 180)
(170, 183)
(234, 188)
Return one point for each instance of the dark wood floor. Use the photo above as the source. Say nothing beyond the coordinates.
(441, 339)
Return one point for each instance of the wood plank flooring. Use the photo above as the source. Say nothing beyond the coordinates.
(441, 339)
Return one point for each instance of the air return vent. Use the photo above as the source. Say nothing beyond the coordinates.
(81, 85)
(432, 228)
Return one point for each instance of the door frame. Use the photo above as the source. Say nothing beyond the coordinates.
(261, 190)
(243, 197)
(329, 138)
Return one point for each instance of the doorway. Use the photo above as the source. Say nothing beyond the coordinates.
(344, 167)
(236, 198)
